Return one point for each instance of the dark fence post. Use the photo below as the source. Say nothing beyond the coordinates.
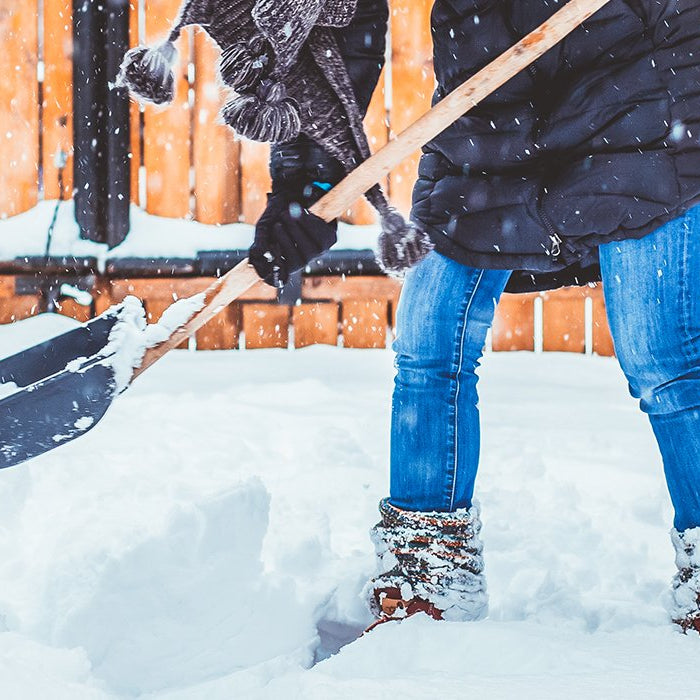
(118, 185)
(101, 120)
(88, 101)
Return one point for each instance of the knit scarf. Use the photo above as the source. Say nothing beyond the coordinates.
(282, 62)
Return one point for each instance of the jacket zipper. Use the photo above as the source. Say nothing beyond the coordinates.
(550, 228)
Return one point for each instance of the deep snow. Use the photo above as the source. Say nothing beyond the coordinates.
(209, 540)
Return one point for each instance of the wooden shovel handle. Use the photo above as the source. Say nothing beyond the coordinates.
(217, 297)
(242, 277)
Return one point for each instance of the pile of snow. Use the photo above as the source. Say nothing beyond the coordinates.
(209, 539)
(174, 317)
(131, 335)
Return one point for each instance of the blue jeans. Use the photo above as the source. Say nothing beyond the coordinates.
(652, 294)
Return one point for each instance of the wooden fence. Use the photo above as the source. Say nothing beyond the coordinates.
(184, 163)
(187, 165)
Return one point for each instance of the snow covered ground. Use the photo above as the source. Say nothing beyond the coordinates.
(208, 540)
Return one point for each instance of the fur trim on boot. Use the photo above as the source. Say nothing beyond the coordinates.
(685, 587)
(428, 562)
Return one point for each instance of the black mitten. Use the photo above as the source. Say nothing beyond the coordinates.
(288, 236)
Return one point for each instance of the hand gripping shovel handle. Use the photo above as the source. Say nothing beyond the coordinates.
(238, 280)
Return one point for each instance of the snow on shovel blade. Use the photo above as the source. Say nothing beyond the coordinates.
(60, 389)
(52, 356)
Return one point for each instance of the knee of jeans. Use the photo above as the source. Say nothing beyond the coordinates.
(664, 383)
(422, 362)
(419, 364)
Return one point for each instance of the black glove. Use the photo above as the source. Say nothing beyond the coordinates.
(288, 236)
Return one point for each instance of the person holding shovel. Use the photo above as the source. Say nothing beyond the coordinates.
(584, 167)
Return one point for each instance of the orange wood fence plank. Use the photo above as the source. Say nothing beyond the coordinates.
(167, 130)
(223, 331)
(259, 292)
(57, 122)
(564, 320)
(8, 301)
(364, 323)
(377, 117)
(412, 84)
(366, 305)
(255, 179)
(19, 109)
(315, 324)
(7, 287)
(102, 294)
(179, 287)
(216, 151)
(377, 128)
(602, 339)
(18, 308)
(340, 288)
(143, 288)
(266, 326)
(514, 323)
(394, 300)
(15, 308)
(71, 308)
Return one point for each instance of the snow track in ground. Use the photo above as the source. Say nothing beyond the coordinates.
(209, 540)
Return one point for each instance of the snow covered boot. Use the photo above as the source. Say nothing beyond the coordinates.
(428, 562)
(685, 588)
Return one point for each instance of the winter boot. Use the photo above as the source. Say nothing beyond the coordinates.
(428, 562)
(685, 588)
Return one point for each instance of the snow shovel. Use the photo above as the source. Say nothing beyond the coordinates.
(60, 389)
(57, 390)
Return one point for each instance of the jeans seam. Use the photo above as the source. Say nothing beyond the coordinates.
(460, 364)
(685, 301)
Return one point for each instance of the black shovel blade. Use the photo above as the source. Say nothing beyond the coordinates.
(63, 388)
(53, 411)
(52, 356)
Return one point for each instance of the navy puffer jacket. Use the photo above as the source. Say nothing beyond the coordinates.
(598, 141)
